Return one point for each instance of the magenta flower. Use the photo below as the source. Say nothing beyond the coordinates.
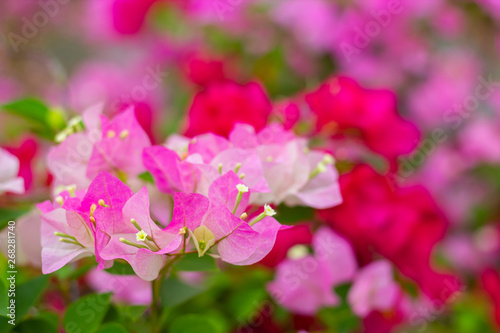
(138, 240)
(219, 221)
(120, 148)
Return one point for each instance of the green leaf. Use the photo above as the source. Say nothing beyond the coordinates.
(192, 263)
(194, 323)
(87, 313)
(174, 292)
(7, 215)
(112, 328)
(147, 177)
(4, 299)
(342, 290)
(28, 293)
(121, 268)
(290, 215)
(36, 325)
(44, 121)
(340, 319)
(244, 303)
(133, 312)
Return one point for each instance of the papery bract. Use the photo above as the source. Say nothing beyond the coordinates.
(373, 289)
(221, 105)
(146, 255)
(9, 180)
(120, 148)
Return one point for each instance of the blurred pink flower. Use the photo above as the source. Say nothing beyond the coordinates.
(373, 288)
(128, 289)
(10, 182)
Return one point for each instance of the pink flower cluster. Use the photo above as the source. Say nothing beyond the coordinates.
(217, 185)
(305, 282)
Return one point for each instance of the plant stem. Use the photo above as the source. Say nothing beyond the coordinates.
(156, 288)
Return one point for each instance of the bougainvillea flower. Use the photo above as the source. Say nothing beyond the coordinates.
(343, 107)
(138, 240)
(65, 237)
(26, 153)
(286, 239)
(374, 288)
(128, 289)
(9, 180)
(171, 173)
(375, 209)
(28, 240)
(120, 148)
(305, 284)
(219, 221)
(221, 105)
(290, 179)
(301, 286)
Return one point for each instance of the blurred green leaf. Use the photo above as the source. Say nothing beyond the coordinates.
(291, 215)
(194, 323)
(28, 293)
(133, 312)
(342, 291)
(147, 177)
(112, 328)
(192, 263)
(7, 215)
(340, 319)
(244, 303)
(44, 121)
(87, 313)
(174, 292)
(121, 268)
(35, 325)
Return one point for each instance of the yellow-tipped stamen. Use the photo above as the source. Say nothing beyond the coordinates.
(124, 134)
(139, 246)
(242, 176)
(70, 241)
(182, 231)
(63, 235)
(237, 167)
(320, 168)
(220, 168)
(268, 211)
(93, 207)
(136, 225)
(111, 134)
(102, 203)
(243, 216)
(241, 189)
(72, 190)
(59, 200)
(328, 159)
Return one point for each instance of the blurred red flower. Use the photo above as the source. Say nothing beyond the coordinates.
(343, 107)
(221, 105)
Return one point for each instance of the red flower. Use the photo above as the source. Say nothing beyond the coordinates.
(26, 152)
(129, 15)
(222, 105)
(343, 107)
(203, 72)
(491, 284)
(402, 224)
